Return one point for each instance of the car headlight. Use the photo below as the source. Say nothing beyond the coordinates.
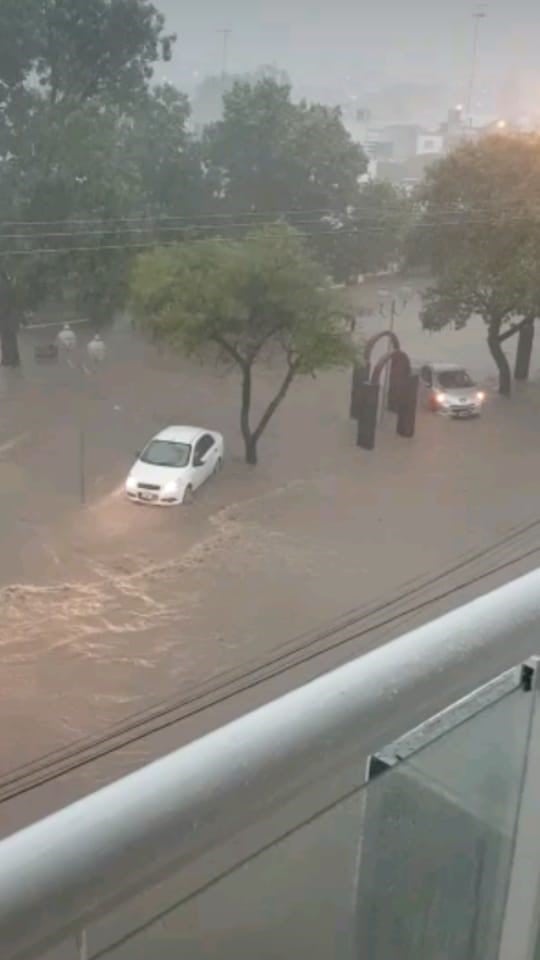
(442, 398)
(171, 488)
(131, 485)
(480, 396)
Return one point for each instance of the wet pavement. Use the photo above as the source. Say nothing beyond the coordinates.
(114, 614)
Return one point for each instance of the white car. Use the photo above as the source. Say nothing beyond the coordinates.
(448, 389)
(174, 464)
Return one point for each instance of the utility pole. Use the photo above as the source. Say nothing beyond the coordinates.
(478, 15)
(225, 33)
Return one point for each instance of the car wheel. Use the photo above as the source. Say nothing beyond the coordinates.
(188, 495)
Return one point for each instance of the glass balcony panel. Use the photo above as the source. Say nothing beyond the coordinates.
(412, 865)
(439, 838)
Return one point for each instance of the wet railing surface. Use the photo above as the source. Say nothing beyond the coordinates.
(274, 837)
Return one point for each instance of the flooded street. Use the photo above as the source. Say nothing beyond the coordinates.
(128, 620)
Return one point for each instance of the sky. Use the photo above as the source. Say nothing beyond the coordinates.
(352, 43)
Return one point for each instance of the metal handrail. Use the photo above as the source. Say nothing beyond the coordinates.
(76, 864)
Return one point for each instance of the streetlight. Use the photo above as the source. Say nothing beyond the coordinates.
(392, 303)
(225, 33)
(479, 15)
(96, 353)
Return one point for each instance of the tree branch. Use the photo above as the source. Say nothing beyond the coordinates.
(256, 349)
(274, 404)
(515, 328)
(231, 350)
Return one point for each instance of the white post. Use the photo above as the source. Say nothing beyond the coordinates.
(82, 945)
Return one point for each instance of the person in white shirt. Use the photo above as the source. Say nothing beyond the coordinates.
(66, 338)
(96, 349)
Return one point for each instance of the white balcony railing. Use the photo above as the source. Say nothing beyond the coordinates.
(253, 841)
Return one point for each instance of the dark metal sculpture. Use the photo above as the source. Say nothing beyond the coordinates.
(366, 387)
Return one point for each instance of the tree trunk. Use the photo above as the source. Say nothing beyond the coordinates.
(9, 341)
(251, 438)
(274, 404)
(250, 442)
(251, 450)
(505, 377)
(524, 351)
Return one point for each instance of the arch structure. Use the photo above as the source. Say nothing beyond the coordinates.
(400, 366)
(392, 338)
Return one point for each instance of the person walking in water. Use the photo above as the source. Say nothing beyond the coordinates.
(96, 349)
(66, 338)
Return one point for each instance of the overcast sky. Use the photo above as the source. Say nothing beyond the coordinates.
(352, 41)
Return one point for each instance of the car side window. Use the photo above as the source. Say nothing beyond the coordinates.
(197, 450)
(203, 446)
(425, 373)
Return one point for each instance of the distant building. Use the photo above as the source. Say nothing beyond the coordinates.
(402, 152)
(430, 143)
(403, 138)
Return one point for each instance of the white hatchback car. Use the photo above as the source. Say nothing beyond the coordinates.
(448, 389)
(175, 462)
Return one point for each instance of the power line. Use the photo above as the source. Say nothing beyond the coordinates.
(166, 229)
(333, 224)
(353, 230)
(282, 664)
(217, 215)
(456, 206)
(347, 223)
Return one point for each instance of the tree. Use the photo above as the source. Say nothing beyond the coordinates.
(79, 50)
(246, 300)
(70, 73)
(165, 155)
(270, 155)
(481, 237)
(370, 236)
(207, 99)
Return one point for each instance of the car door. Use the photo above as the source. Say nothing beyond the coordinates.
(203, 461)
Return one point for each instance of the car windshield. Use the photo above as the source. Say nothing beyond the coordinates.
(166, 453)
(454, 378)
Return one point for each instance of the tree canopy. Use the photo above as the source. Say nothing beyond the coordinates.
(272, 155)
(74, 77)
(77, 50)
(480, 235)
(207, 98)
(97, 162)
(370, 236)
(245, 300)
